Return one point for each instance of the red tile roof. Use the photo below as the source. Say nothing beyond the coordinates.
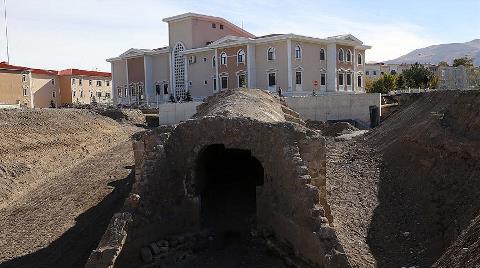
(84, 72)
(4, 65)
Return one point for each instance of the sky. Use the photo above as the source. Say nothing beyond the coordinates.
(61, 34)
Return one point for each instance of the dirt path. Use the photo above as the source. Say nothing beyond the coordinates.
(59, 221)
(352, 182)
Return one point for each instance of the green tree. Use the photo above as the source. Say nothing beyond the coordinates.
(378, 86)
(433, 82)
(389, 81)
(400, 82)
(417, 76)
(443, 64)
(369, 85)
(464, 61)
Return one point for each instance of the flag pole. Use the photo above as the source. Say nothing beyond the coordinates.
(6, 30)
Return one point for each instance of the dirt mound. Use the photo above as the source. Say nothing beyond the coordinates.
(422, 167)
(330, 129)
(63, 173)
(132, 116)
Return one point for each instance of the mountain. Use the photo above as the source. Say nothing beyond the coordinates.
(444, 52)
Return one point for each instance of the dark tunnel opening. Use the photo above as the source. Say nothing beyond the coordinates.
(227, 180)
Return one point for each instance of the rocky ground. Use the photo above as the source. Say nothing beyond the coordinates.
(402, 194)
(63, 173)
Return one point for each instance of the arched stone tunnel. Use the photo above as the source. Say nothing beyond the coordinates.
(245, 160)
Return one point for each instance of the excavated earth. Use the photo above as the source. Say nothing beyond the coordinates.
(63, 173)
(406, 194)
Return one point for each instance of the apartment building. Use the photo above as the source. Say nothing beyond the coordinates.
(207, 54)
(85, 87)
(38, 88)
(28, 87)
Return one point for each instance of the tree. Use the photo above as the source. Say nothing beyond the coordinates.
(400, 82)
(369, 85)
(443, 64)
(417, 76)
(188, 96)
(433, 82)
(172, 99)
(464, 61)
(389, 82)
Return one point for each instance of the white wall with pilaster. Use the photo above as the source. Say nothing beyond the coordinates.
(331, 67)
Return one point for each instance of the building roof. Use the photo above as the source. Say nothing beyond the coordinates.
(212, 18)
(6, 66)
(83, 73)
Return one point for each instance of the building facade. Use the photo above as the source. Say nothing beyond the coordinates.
(38, 88)
(85, 87)
(207, 54)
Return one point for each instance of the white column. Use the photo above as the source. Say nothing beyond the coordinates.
(172, 70)
(251, 69)
(128, 82)
(289, 65)
(331, 67)
(354, 75)
(114, 91)
(217, 61)
(31, 90)
(147, 70)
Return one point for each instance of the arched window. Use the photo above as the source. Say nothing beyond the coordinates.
(179, 70)
(271, 53)
(214, 62)
(298, 52)
(223, 58)
(341, 55)
(349, 55)
(359, 59)
(241, 56)
(322, 54)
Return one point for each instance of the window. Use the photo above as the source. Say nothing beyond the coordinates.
(90, 82)
(382, 73)
(80, 82)
(374, 72)
(349, 79)
(54, 94)
(242, 81)
(190, 83)
(298, 52)
(359, 81)
(73, 81)
(165, 89)
(224, 82)
(99, 94)
(221, 26)
(223, 58)
(359, 59)
(107, 94)
(214, 84)
(213, 61)
(322, 54)
(271, 54)
(367, 72)
(341, 55)
(74, 93)
(340, 79)
(323, 79)
(272, 81)
(119, 92)
(126, 91)
(53, 81)
(204, 60)
(298, 78)
(179, 71)
(158, 90)
(91, 94)
(241, 56)
(25, 92)
(24, 78)
(99, 83)
(81, 94)
(214, 25)
(349, 55)
(107, 83)
(205, 82)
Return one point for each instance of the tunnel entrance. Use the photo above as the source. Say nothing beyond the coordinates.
(227, 179)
